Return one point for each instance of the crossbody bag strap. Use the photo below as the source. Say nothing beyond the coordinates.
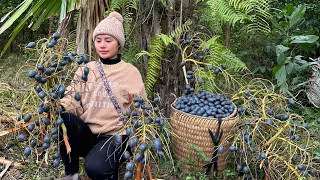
(109, 91)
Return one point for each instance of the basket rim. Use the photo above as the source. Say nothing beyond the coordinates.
(228, 118)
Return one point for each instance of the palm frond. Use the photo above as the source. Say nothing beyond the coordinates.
(37, 11)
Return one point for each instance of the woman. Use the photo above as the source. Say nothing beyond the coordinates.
(93, 119)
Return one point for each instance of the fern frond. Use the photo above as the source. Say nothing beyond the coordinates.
(208, 84)
(115, 4)
(130, 54)
(226, 12)
(142, 53)
(156, 53)
(184, 28)
(72, 44)
(219, 54)
(260, 15)
(129, 5)
(256, 12)
(164, 3)
(126, 7)
(160, 42)
(166, 39)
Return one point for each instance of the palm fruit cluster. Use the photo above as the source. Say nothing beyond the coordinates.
(50, 71)
(273, 141)
(149, 135)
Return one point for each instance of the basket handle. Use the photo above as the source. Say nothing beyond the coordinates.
(216, 140)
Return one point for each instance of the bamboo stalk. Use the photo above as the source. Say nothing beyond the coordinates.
(5, 169)
(3, 133)
(267, 170)
(5, 161)
(138, 173)
(44, 129)
(149, 172)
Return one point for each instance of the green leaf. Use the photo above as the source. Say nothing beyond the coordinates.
(283, 24)
(164, 3)
(289, 9)
(267, 48)
(3, 18)
(297, 15)
(199, 152)
(63, 10)
(312, 112)
(284, 88)
(289, 68)
(19, 27)
(277, 25)
(299, 58)
(304, 39)
(72, 4)
(166, 39)
(297, 80)
(262, 69)
(280, 49)
(16, 30)
(51, 8)
(281, 76)
(211, 41)
(16, 15)
(281, 59)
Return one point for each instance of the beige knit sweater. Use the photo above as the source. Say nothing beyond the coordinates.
(95, 107)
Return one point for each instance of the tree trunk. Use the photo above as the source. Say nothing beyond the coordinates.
(50, 25)
(90, 15)
(170, 15)
(142, 34)
(227, 36)
(185, 4)
(82, 33)
(170, 83)
(64, 28)
(156, 20)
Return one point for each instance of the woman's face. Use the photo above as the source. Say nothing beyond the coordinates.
(106, 46)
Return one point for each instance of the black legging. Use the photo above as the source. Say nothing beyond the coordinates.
(100, 163)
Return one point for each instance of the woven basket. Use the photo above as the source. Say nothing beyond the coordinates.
(194, 129)
(313, 89)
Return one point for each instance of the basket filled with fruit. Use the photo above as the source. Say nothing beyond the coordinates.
(204, 122)
(192, 116)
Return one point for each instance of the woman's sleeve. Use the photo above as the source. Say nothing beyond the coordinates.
(137, 84)
(143, 91)
(68, 101)
(141, 88)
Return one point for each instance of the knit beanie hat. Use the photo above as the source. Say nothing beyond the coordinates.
(111, 25)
